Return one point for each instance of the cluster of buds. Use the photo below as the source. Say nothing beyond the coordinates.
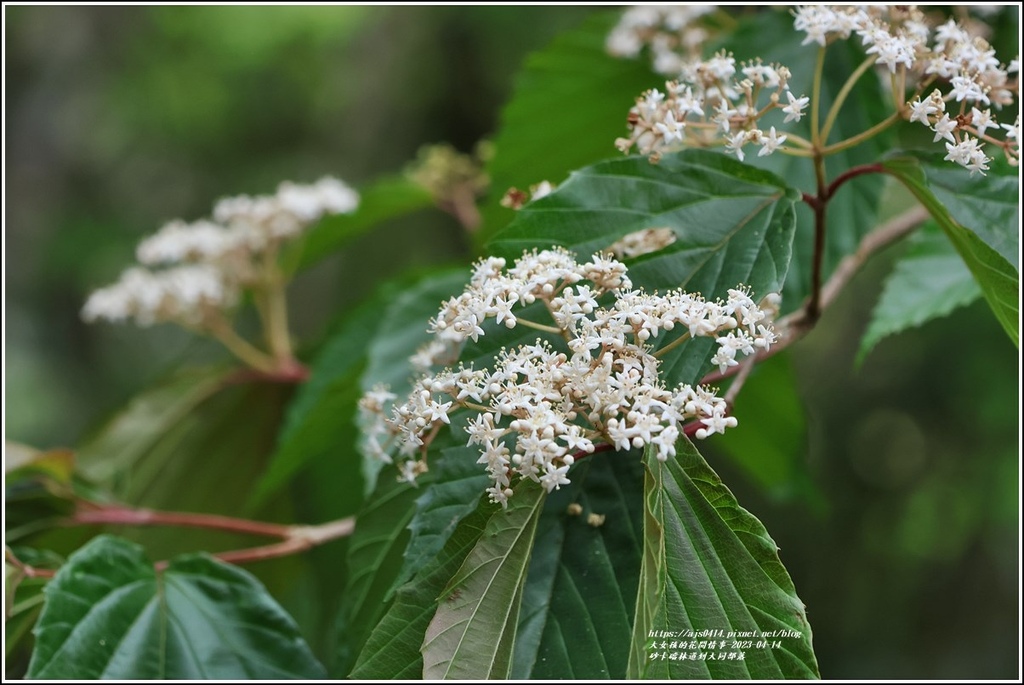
(514, 198)
(202, 267)
(455, 180)
(539, 409)
(706, 106)
(975, 85)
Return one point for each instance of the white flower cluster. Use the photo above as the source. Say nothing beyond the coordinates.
(903, 42)
(184, 293)
(540, 409)
(710, 102)
(980, 86)
(673, 34)
(896, 33)
(209, 262)
(707, 105)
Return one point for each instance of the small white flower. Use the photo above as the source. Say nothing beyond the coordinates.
(670, 129)
(944, 128)
(794, 110)
(981, 119)
(920, 110)
(736, 142)
(770, 143)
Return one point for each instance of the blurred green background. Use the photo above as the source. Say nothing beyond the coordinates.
(900, 523)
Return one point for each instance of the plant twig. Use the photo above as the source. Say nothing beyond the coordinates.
(886, 234)
(297, 539)
(741, 377)
(294, 538)
(841, 97)
(813, 308)
(853, 172)
(796, 325)
(90, 513)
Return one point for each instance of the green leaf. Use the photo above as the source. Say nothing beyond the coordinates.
(321, 419)
(929, 281)
(986, 205)
(23, 596)
(381, 537)
(577, 606)
(385, 199)
(577, 614)
(443, 504)
(473, 631)
(709, 565)
(39, 488)
(374, 559)
(134, 431)
(853, 211)
(733, 224)
(109, 614)
(999, 279)
(393, 649)
(568, 107)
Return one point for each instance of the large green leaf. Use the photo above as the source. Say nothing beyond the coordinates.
(709, 565)
(733, 224)
(207, 459)
(980, 205)
(853, 211)
(577, 605)
(460, 480)
(473, 631)
(109, 614)
(384, 199)
(393, 649)
(321, 419)
(380, 539)
(374, 559)
(929, 281)
(569, 105)
(134, 431)
(577, 613)
(987, 205)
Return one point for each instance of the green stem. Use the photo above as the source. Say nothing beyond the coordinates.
(799, 140)
(540, 326)
(238, 346)
(863, 135)
(672, 345)
(276, 321)
(896, 93)
(844, 92)
(819, 68)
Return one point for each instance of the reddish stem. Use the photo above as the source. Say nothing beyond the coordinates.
(298, 539)
(818, 204)
(119, 515)
(851, 173)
